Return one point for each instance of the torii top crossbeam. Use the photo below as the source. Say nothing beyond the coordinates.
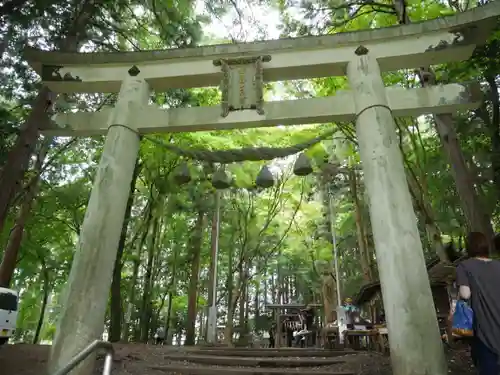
(437, 41)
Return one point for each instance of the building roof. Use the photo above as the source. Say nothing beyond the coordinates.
(290, 305)
(438, 271)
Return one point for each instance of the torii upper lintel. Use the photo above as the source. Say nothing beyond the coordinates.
(426, 43)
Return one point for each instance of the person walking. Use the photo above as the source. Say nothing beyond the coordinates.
(159, 336)
(478, 280)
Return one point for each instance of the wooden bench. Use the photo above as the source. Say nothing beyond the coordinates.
(383, 345)
(329, 337)
(352, 339)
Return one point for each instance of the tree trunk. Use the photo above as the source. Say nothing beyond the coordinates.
(212, 277)
(200, 325)
(196, 242)
(266, 282)
(45, 298)
(230, 274)
(9, 259)
(169, 314)
(425, 209)
(229, 330)
(495, 132)
(493, 125)
(256, 297)
(363, 253)
(247, 328)
(328, 292)
(116, 307)
(476, 217)
(474, 213)
(274, 295)
(135, 274)
(279, 281)
(170, 287)
(235, 295)
(146, 291)
(241, 311)
(11, 176)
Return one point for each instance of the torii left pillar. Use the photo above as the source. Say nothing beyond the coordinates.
(86, 295)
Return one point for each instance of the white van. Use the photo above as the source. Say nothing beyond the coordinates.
(8, 313)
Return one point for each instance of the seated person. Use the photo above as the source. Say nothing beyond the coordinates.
(299, 338)
(351, 312)
(349, 306)
(307, 319)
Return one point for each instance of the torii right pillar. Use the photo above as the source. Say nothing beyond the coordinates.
(409, 306)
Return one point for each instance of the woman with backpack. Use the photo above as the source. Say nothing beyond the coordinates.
(478, 281)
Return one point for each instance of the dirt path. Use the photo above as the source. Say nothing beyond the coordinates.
(139, 359)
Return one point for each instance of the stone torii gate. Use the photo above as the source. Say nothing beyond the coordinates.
(242, 69)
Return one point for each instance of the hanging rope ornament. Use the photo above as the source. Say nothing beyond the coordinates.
(302, 166)
(182, 175)
(221, 180)
(265, 178)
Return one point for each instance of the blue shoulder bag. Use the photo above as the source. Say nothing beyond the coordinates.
(462, 319)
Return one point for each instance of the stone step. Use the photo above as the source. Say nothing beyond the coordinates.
(210, 359)
(288, 352)
(186, 370)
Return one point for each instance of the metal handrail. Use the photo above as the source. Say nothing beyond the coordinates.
(77, 359)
